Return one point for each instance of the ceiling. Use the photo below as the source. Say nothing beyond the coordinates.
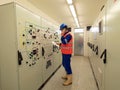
(87, 10)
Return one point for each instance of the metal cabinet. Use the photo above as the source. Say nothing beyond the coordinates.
(106, 63)
(26, 49)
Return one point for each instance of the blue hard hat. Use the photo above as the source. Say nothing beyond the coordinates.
(62, 26)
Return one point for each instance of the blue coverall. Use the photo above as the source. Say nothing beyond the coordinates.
(66, 57)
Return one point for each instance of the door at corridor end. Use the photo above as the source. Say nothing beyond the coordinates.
(78, 42)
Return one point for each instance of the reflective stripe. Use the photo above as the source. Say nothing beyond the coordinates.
(66, 41)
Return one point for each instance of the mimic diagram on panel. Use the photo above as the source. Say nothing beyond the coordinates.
(47, 34)
(31, 45)
(48, 47)
(56, 40)
(36, 42)
(48, 56)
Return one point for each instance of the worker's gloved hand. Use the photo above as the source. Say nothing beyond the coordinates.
(58, 44)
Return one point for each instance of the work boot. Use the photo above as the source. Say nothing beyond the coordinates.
(68, 81)
(64, 77)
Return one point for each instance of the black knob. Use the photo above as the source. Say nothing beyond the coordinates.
(23, 35)
(26, 62)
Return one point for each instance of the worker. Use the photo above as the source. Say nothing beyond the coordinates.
(66, 50)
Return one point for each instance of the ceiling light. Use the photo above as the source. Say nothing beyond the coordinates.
(76, 21)
(69, 1)
(72, 9)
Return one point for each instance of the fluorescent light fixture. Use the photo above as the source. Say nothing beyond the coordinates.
(72, 9)
(76, 21)
(69, 1)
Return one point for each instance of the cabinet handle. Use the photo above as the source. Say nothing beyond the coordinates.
(105, 56)
(93, 47)
(20, 58)
(96, 50)
(43, 51)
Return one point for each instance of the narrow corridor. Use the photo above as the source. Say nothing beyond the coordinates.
(83, 78)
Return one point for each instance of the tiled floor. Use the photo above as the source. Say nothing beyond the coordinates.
(82, 77)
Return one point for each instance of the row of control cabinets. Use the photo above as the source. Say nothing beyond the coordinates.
(35, 37)
(30, 56)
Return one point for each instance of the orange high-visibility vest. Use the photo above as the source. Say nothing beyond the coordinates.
(67, 48)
